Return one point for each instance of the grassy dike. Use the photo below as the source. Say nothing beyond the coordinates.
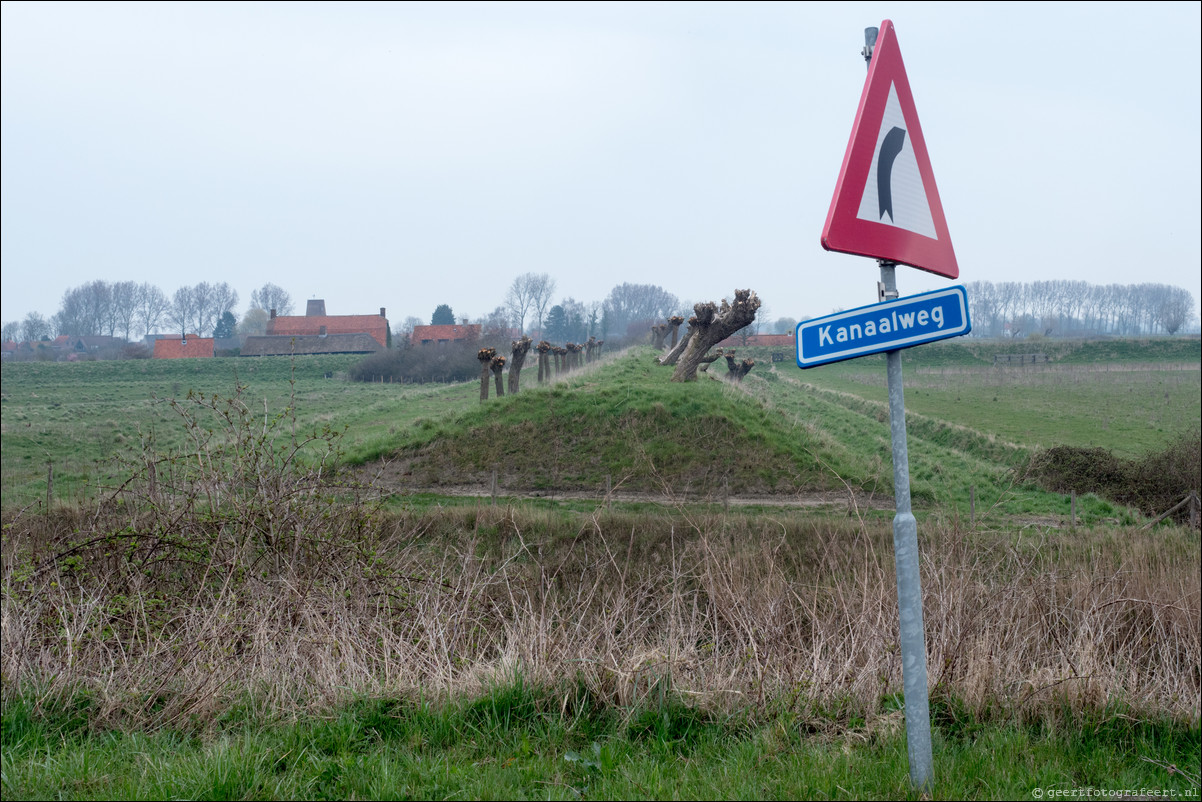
(234, 625)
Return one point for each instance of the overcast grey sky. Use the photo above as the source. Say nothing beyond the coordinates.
(407, 155)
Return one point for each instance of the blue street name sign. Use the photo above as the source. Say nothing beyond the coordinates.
(901, 323)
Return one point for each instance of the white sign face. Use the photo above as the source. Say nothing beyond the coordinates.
(894, 194)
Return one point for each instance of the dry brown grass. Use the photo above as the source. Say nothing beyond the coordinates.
(730, 612)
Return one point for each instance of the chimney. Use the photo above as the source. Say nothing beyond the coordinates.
(273, 314)
(382, 312)
(315, 308)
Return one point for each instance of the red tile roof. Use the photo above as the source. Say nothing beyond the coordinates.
(191, 346)
(293, 325)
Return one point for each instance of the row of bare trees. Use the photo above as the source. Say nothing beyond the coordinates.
(127, 309)
(1014, 309)
(552, 360)
(625, 313)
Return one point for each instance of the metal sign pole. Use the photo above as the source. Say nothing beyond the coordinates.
(906, 560)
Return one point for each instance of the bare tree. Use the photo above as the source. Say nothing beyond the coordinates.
(714, 324)
(124, 306)
(182, 313)
(34, 327)
(253, 323)
(1176, 309)
(629, 304)
(87, 310)
(784, 325)
(542, 287)
(222, 298)
(519, 300)
(404, 331)
(152, 305)
(11, 331)
(496, 323)
(269, 297)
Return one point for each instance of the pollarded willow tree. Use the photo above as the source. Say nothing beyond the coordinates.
(497, 365)
(544, 363)
(714, 324)
(518, 351)
(485, 356)
(674, 324)
(737, 370)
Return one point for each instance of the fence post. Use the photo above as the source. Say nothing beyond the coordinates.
(1074, 507)
(49, 484)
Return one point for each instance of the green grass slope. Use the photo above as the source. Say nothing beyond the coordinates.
(624, 424)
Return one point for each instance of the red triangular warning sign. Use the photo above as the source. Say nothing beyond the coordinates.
(886, 205)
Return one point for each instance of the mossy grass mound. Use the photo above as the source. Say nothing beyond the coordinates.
(623, 424)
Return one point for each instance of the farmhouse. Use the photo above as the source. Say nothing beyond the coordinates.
(186, 347)
(315, 323)
(438, 335)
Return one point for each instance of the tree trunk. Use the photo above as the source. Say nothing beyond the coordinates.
(673, 356)
(714, 325)
(544, 365)
(519, 349)
(497, 364)
(738, 369)
(674, 325)
(485, 356)
(659, 333)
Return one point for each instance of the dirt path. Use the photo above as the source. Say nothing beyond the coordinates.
(798, 500)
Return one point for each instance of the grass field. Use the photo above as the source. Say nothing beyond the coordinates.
(229, 626)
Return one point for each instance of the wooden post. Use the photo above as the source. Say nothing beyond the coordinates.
(49, 484)
(1073, 503)
(494, 487)
(972, 507)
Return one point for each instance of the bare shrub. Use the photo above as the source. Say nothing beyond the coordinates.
(1152, 484)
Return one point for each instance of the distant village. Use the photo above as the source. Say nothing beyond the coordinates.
(314, 332)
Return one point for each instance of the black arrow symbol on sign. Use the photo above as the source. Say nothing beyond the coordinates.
(884, 169)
